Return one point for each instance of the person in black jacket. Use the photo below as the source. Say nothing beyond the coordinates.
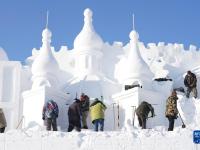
(190, 82)
(74, 116)
(142, 112)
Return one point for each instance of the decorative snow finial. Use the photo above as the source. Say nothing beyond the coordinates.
(46, 34)
(133, 22)
(134, 36)
(88, 39)
(88, 16)
(47, 21)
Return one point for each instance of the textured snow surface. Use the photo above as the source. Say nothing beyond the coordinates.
(151, 139)
(34, 137)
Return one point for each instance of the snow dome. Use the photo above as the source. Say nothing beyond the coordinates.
(88, 39)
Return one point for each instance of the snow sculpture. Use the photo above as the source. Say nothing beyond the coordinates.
(45, 68)
(87, 46)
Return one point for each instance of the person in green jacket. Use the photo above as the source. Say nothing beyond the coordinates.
(97, 109)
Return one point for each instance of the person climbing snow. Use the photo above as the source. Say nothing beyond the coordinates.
(171, 109)
(190, 82)
(142, 112)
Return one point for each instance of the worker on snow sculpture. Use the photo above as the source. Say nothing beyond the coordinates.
(74, 116)
(190, 82)
(171, 109)
(142, 112)
(3, 123)
(97, 110)
(50, 114)
(85, 104)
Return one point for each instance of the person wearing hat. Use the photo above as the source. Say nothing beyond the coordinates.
(3, 123)
(171, 109)
(74, 116)
(190, 82)
(97, 110)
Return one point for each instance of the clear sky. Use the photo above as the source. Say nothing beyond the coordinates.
(170, 21)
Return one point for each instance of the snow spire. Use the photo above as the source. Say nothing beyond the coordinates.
(133, 22)
(137, 69)
(46, 36)
(47, 21)
(88, 39)
(88, 19)
(45, 67)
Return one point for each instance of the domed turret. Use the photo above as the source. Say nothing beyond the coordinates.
(137, 69)
(88, 45)
(45, 67)
(88, 39)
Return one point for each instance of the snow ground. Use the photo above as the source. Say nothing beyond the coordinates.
(151, 139)
(35, 137)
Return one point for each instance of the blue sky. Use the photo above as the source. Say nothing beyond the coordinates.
(170, 21)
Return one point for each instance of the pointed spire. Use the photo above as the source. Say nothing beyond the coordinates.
(46, 34)
(137, 69)
(45, 67)
(88, 20)
(47, 21)
(134, 36)
(133, 22)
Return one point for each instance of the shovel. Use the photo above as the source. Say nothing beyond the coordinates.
(183, 124)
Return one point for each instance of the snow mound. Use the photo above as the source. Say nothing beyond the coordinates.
(156, 139)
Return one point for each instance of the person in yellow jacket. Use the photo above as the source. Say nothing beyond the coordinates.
(97, 109)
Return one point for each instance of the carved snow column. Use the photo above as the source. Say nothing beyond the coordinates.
(10, 89)
(88, 45)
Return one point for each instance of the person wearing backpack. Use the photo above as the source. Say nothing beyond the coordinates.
(50, 115)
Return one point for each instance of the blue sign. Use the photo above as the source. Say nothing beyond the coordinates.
(196, 136)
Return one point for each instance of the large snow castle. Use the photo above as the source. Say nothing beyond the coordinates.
(96, 68)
